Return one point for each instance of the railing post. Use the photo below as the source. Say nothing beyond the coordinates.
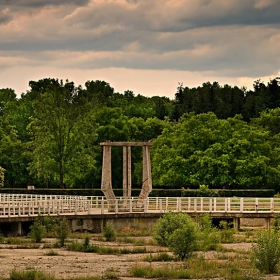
(195, 204)
(179, 204)
(225, 204)
(189, 204)
(160, 205)
(130, 206)
(88, 206)
(215, 204)
(19, 209)
(116, 206)
(9, 211)
(76, 207)
(58, 207)
(102, 206)
(145, 205)
(210, 205)
(241, 204)
(272, 204)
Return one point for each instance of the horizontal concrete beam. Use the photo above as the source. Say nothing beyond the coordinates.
(139, 144)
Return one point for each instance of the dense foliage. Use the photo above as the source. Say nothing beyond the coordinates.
(219, 136)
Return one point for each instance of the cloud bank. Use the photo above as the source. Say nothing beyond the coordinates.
(229, 41)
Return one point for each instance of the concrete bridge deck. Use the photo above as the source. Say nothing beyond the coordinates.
(92, 212)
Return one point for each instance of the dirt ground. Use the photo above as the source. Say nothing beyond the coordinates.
(67, 264)
(71, 265)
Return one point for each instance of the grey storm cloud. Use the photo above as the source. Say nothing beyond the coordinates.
(236, 37)
(41, 3)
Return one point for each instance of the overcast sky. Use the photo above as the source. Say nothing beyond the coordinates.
(147, 46)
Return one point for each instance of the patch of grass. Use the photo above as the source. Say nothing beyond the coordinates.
(136, 241)
(159, 257)
(16, 240)
(136, 250)
(110, 274)
(32, 274)
(109, 232)
(234, 268)
(167, 272)
(51, 253)
(134, 231)
(90, 278)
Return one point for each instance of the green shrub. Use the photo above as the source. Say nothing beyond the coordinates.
(226, 232)
(209, 235)
(50, 224)
(266, 251)
(109, 233)
(183, 241)
(276, 223)
(62, 231)
(167, 224)
(37, 231)
(86, 243)
(179, 232)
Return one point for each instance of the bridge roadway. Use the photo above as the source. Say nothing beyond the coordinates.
(91, 212)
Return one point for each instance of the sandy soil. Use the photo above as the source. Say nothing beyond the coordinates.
(67, 265)
(70, 265)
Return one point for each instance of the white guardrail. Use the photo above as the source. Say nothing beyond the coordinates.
(15, 205)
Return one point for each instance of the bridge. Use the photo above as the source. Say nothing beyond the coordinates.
(93, 211)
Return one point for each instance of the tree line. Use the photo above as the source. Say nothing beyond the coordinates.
(220, 136)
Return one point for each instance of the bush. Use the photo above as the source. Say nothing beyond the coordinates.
(177, 231)
(37, 231)
(167, 224)
(62, 231)
(226, 233)
(109, 233)
(50, 224)
(266, 251)
(183, 241)
(209, 234)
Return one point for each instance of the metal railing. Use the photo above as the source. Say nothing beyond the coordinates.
(16, 205)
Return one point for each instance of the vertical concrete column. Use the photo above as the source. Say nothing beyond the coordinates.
(125, 172)
(127, 181)
(19, 229)
(129, 177)
(236, 223)
(106, 180)
(146, 177)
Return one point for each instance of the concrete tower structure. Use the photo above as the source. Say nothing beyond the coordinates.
(106, 181)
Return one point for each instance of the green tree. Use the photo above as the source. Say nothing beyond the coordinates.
(62, 135)
(201, 149)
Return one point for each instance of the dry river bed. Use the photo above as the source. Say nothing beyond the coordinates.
(71, 265)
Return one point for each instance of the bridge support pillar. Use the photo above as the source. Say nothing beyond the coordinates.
(267, 223)
(19, 228)
(236, 223)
